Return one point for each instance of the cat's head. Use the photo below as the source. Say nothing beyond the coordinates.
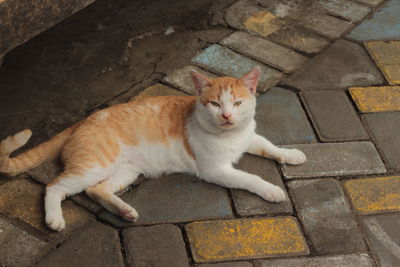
(226, 102)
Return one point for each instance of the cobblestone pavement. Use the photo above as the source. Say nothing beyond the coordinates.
(330, 86)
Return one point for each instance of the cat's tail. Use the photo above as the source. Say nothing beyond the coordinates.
(33, 157)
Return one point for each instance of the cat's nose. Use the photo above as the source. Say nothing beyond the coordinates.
(227, 115)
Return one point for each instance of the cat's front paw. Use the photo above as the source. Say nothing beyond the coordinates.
(129, 214)
(292, 157)
(55, 222)
(273, 193)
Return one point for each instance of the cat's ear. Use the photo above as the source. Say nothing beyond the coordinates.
(200, 81)
(250, 79)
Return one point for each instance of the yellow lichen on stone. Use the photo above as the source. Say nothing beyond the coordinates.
(387, 57)
(158, 90)
(263, 23)
(376, 99)
(246, 238)
(374, 195)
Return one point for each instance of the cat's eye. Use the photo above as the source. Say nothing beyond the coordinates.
(215, 104)
(237, 103)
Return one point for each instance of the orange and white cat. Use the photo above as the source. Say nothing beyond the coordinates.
(201, 135)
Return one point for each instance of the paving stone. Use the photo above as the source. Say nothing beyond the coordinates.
(383, 25)
(158, 89)
(374, 195)
(265, 51)
(348, 158)
(18, 248)
(160, 245)
(227, 264)
(224, 61)
(174, 198)
(246, 238)
(180, 78)
(341, 65)
(383, 238)
(326, 217)
(345, 9)
(314, 19)
(30, 208)
(376, 99)
(372, 3)
(360, 260)
(384, 129)
(247, 203)
(96, 245)
(281, 119)
(386, 55)
(333, 116)
(247, 15)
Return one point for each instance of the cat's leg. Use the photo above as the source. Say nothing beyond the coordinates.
(262, 147)
(66, 184)
(230, 177)
(104, 192)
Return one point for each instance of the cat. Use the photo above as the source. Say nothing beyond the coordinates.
(201, 135)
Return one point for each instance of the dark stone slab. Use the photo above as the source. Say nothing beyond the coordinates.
(343, 64)
(348, 158)
(96, 245)
(18, 248)
(247, 203)
(384, 238)
(326, 217)
(281, 119)
(160, 245)
(343, 8)
(383, 25)
(384, 128)
(359, 260)
(174, 198)
(333, 116)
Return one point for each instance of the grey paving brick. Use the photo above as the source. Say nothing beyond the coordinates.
(327, 217)
(96, 245)
(174, 198)
(281, 119)
(359, 260)
(342, 65)
(333, 116)
(224, 61)
(345, 9)
(384, 128)
(384, 238)
(227, 264)
(299, 39)
(336, 159)
(180, 78)
(272, 27)
(250, 204)
(383, 25)
(18, 248)
(160, 245)
(265, 51)
(317, 21)
(30, 209)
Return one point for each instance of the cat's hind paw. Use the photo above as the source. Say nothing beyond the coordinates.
(274, 194)
(129, 214)
(55, 222)
(292, 157)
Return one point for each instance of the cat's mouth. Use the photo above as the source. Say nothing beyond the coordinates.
(227, 124)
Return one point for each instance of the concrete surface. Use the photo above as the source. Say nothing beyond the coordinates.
(333, 98)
